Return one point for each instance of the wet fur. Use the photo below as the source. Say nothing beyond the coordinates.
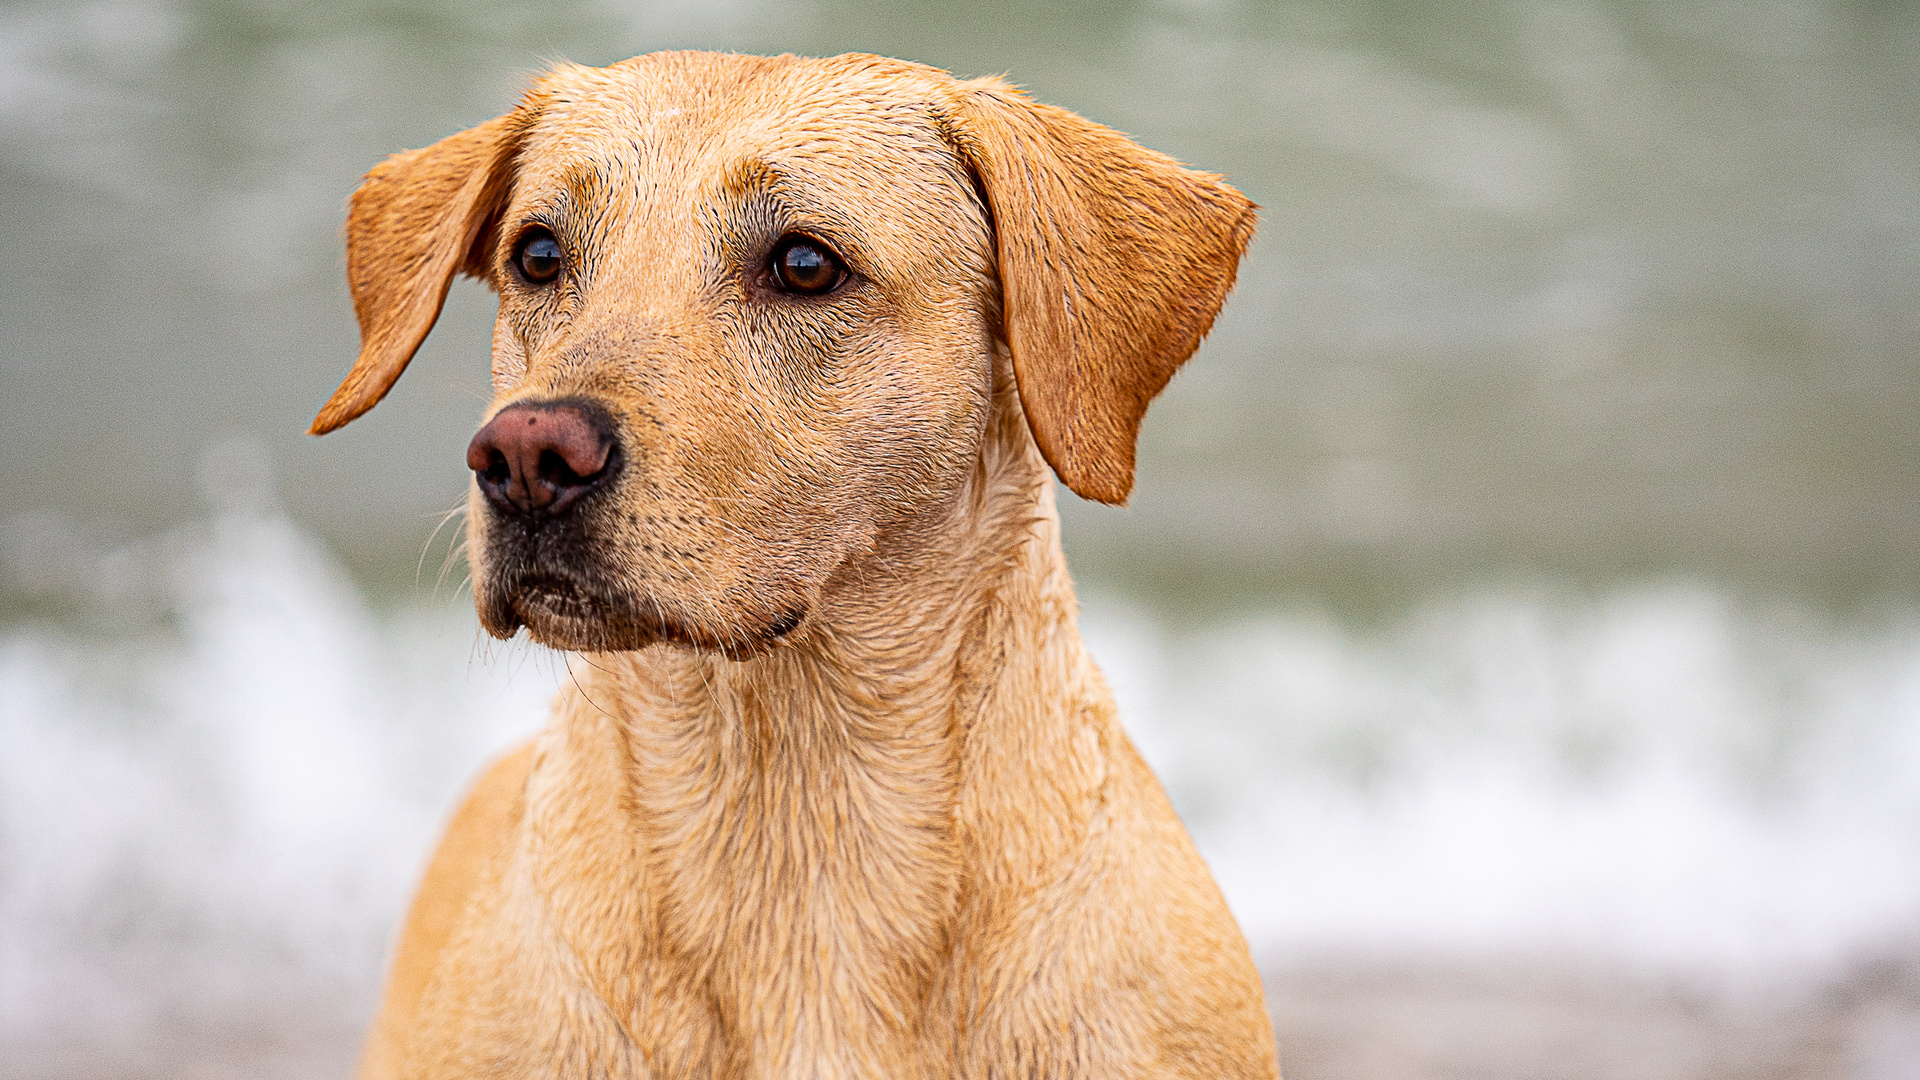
(835, 790)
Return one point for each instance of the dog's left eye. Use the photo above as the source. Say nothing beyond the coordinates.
(805, 266)
(538, 256)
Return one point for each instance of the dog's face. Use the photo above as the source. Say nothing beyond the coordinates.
(782, 314)
(748, 319)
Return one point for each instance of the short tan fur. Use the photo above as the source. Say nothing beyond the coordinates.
(835, 790)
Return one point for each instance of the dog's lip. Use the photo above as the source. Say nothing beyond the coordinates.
(568, 614)
(785, 623)
(564, 612)
(554, 597)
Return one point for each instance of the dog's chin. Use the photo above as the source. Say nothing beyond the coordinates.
(561, 614)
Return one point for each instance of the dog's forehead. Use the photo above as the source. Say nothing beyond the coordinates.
(676, 119)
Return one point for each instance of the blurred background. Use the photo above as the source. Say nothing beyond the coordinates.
(1521, 596)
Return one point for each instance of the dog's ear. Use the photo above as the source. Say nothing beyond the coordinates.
(419, 217)
(1114, 260)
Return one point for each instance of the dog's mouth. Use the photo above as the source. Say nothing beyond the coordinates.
(592, 580)
(565, 613)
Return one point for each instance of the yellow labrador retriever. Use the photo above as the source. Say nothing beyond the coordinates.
(785, 350)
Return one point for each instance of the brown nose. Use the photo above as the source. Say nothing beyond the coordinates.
(540, 458)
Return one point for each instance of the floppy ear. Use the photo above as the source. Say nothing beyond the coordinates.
(418, 217)
(1114, 260)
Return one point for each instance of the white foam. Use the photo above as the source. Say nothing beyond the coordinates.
(223, 769)
(220, 786)
(1662, 781)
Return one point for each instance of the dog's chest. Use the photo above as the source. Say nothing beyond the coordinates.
(753, 902)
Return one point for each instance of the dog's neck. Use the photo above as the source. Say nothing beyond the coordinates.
(820, 819)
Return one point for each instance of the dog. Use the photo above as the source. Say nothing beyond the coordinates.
(787, 351)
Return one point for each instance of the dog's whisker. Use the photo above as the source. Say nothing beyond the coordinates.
(421, 564)
(456, 555)
(582, 691)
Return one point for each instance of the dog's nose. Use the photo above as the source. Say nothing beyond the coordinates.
(539, 458)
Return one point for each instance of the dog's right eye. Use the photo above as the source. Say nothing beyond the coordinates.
(538, 256)
(806, 266)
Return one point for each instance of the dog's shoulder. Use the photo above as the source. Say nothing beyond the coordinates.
(480, 831)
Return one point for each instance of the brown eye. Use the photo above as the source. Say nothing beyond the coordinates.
(538, 256)
(805, 266)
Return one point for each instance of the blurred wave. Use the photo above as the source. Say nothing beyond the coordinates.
(224, 768)
(223, 771)
(1659, 780)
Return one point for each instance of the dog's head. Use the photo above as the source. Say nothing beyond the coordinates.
(749, 313)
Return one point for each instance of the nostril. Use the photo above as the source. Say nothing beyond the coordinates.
(555, 470)
(497, 471)
(580, 452)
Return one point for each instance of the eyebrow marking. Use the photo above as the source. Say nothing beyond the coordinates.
(790, 193)
(577, 209)
(578, 192)
(755, 176)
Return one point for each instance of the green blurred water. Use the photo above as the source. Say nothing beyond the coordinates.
(1585, 292)
(1577, 347)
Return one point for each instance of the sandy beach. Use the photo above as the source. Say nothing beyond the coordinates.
(1334, 1021)
(1375, 1023)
